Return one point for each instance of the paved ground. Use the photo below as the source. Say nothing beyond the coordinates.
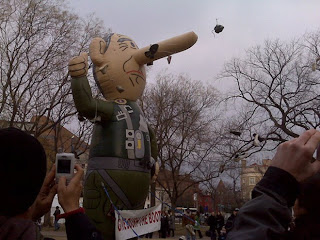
(180, 231)
(61, 235)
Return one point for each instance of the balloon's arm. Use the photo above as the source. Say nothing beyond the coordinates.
(86, 105)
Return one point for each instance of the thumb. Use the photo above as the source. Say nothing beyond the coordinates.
(85, 56)
(96, 51)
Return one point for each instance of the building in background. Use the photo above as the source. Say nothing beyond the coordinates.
(225, 197)
(189, 199)
(222, 198)
(59, 139)
(56, 139)
(251, 175)
(205, 202)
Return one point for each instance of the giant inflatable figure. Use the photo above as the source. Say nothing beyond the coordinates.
(123, 147)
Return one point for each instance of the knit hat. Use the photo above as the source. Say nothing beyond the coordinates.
(22, 170)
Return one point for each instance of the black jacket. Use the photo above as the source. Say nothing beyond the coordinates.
(306, 227)
(268, 214)
(212, 222)
(79, 227)
(230, 222)
(219, 221)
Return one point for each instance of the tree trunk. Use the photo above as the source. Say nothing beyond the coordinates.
(153, 194)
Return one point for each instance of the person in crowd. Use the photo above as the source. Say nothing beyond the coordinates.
(56, 219)
(202, 218)
(231, 219)
(38, 223)
(212, 222)
(219, 222)
(188, 222)
(172, 224)
(223, 234)
(27, 193)
(268, 214)
(149, 235)
(164, 225)
(307, 210)
(197, 224)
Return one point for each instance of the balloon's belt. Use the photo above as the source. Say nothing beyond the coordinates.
(101, 164)
(113, 163)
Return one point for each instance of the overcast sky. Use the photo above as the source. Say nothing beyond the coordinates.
(247, 23)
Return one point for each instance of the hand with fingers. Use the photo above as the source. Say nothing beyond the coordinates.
(78, 66)
(69, 195)
(45, 197)
(296, 156)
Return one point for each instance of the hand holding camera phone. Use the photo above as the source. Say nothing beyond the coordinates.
(65, 165)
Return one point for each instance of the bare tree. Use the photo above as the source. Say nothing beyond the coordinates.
(276, 97)
(233, 173)
(75, 139)
(37, 38)
(277, 93)
(228, 197)
(181, 112)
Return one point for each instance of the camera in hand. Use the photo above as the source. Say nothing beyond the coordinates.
(65, 165)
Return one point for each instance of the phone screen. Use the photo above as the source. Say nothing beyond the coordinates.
(64, 166)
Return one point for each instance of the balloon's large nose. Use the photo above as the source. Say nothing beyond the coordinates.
(165, 48)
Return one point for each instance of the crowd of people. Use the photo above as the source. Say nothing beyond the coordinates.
(195, 223)
(218, 227)
(292, 180)
(167, 227)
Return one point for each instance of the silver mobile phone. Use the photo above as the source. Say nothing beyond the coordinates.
(65, 165)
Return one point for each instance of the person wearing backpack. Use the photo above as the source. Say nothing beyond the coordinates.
(230, 222)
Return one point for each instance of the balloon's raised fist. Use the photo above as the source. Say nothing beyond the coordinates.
(78, 66)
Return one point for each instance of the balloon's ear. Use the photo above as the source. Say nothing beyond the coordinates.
(96, 51)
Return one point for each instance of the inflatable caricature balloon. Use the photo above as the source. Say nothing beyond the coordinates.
(123, 147)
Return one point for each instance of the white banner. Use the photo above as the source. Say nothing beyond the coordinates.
(141, 221)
